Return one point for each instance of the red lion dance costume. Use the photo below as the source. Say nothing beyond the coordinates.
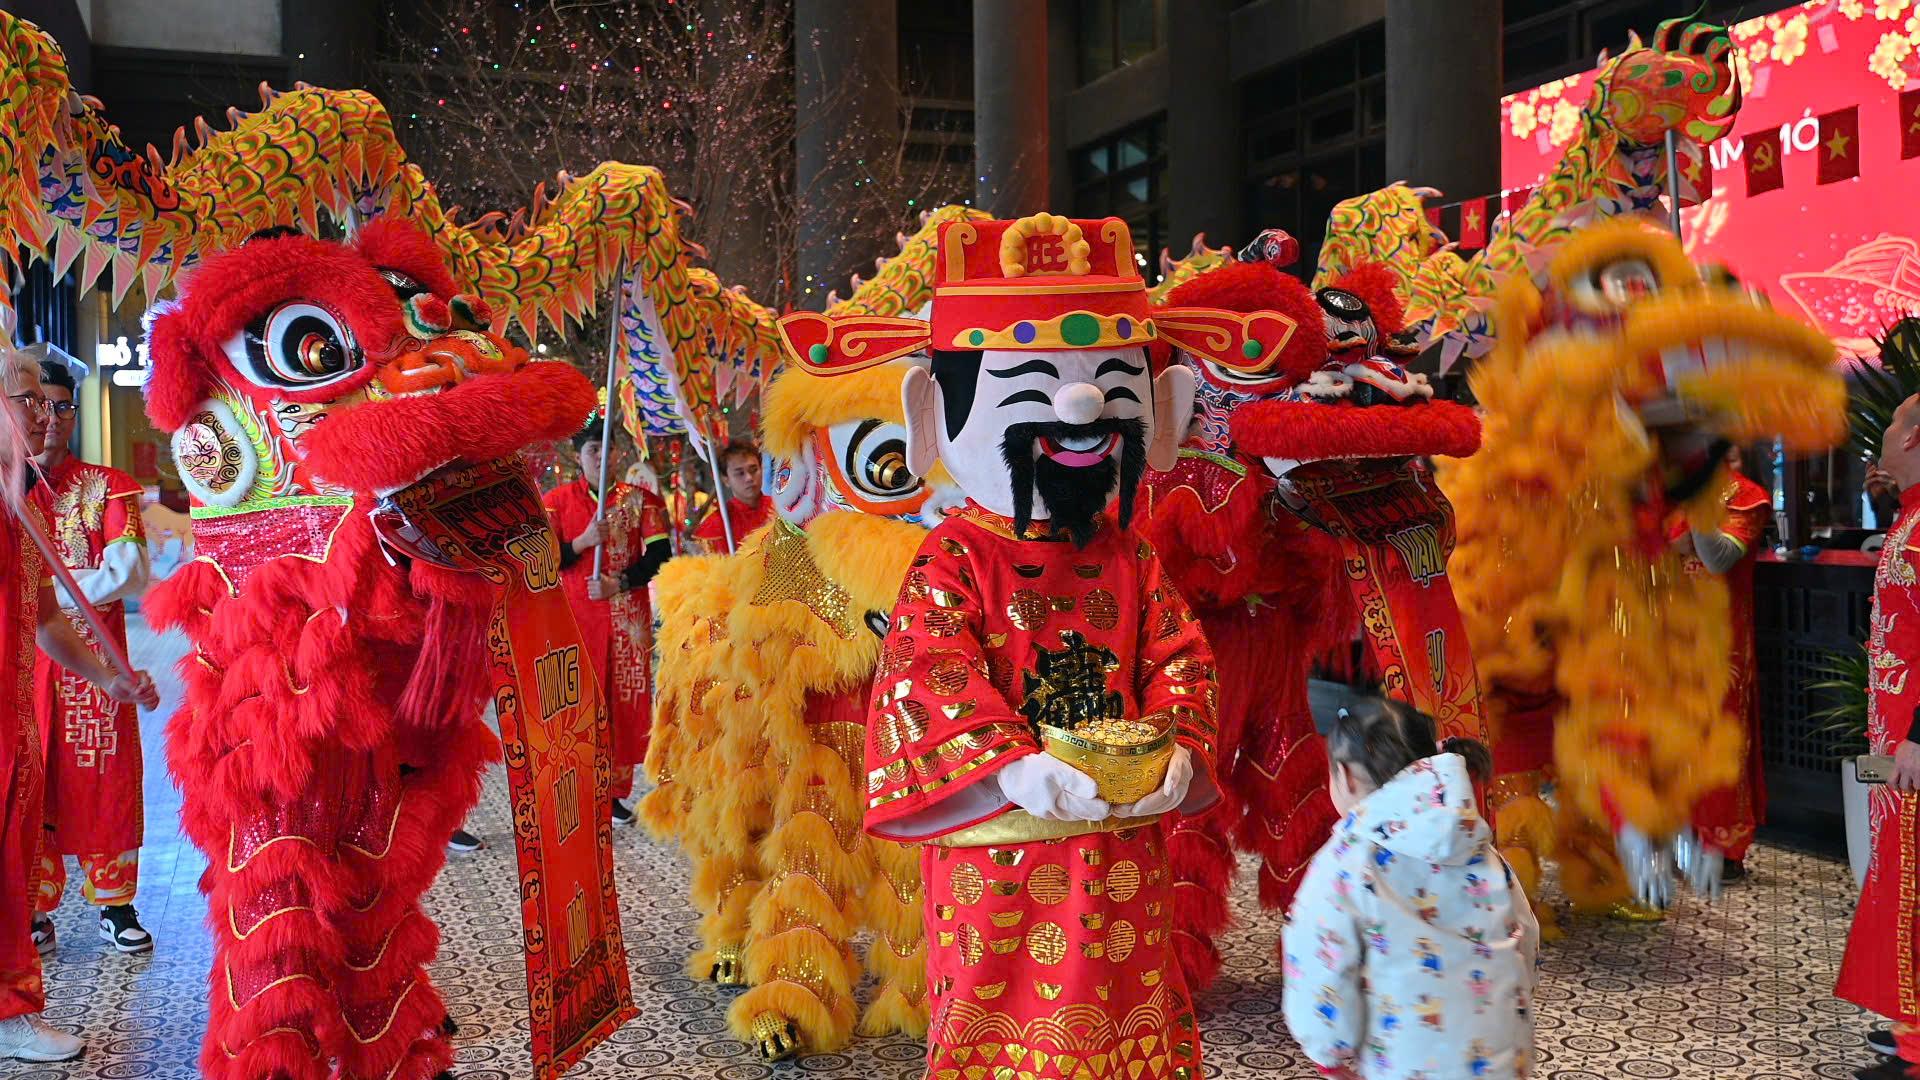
(1266, 588)
(1298, 505)
(331, 737)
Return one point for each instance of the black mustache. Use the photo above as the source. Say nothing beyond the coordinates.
(1074, 496)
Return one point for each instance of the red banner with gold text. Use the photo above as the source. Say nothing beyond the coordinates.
(1396, 533)
(553, 724)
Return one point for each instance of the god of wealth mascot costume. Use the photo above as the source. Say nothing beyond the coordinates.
(767, 662)
(1268, 590)
(1044, 696)
(1609, 401)
(331, 737)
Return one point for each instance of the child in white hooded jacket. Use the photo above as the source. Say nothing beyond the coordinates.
(1409, 949)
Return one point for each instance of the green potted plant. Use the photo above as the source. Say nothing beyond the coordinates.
(1841, 681)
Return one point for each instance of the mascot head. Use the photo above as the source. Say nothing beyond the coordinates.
(295, 367)
(1332, 391)
(1040, 400)
(1223, 386)
(1691, 363)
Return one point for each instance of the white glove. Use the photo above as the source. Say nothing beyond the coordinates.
(1051, 789)
(1173, 790)
(1700, 863)
(1649, 866)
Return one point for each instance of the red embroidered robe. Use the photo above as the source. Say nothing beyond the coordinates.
(1881, 968)
(618, 632)
(1726, 818)
(22, 767)
(1049, 946)
(94, 769)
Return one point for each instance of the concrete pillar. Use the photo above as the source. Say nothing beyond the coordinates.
(1443, 95)
(846, 68)
(331, 43)
(1206, 190)
(1010, 106)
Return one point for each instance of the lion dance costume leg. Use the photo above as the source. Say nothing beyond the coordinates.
(331, 736)
(767, 660)
(1581, 613)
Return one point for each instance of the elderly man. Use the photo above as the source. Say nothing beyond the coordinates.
(30, 615)
(1882, 962)
(94, 766)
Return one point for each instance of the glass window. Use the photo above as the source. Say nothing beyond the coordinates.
(1315, 134)
(1134, 188)
(1114, 33)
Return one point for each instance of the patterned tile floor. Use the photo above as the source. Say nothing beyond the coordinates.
(1737, 990)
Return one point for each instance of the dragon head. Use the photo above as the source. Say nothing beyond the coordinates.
(1342, 396)
(1687, 365)
(1683, 81)
(294, 367)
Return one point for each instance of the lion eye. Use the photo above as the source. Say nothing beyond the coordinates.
(297, 344)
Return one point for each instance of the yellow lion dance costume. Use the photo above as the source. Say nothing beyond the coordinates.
(1609, 400)
(766, 659)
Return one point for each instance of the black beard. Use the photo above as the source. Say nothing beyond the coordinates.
(1074, 496)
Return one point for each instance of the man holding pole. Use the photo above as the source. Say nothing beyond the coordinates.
(29, 615)
(94, 764)
(745, 509)
(613, 540)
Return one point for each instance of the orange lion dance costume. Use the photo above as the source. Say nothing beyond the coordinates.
(331, 736)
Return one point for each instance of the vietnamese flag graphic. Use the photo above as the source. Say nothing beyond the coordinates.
(1517, 198)
(1909, 124)
(1473, 223)
(1839, 147)
(1764, 172)
(1695, 166)
(1433, 215)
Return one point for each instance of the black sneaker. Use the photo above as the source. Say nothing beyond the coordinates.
(622, 813)
(43, 936)
(1881, 1040)
(1733, 870)
(462, 840)
(120, 925)
(1890, 1069)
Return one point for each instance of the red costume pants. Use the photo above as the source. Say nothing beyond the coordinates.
(105, 880)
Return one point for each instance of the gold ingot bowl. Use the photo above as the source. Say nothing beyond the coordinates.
(1127, 759)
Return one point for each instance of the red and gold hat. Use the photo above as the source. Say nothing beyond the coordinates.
(1041, 283)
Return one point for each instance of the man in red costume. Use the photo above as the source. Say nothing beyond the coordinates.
(94, 767)
(1269, 593)
(612, 608)
(1726, 818)
(30, 614)
(747, 507)
(1030, 612)
(1881, 968)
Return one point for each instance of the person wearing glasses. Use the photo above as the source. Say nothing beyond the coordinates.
(29, 615)
(94, 767)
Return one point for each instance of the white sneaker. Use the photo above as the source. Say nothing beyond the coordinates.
(29, 1038)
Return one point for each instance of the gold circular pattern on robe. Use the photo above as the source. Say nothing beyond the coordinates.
(899, 653)
(1123, 881)
(1120, 941)
(1027, 609)
(971, 949)
(967, 883)
(1049, 884)
(944, 622)
(913, 719)
(887, 735)
(1047, 943)
(1101, 609)
(948, 677)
